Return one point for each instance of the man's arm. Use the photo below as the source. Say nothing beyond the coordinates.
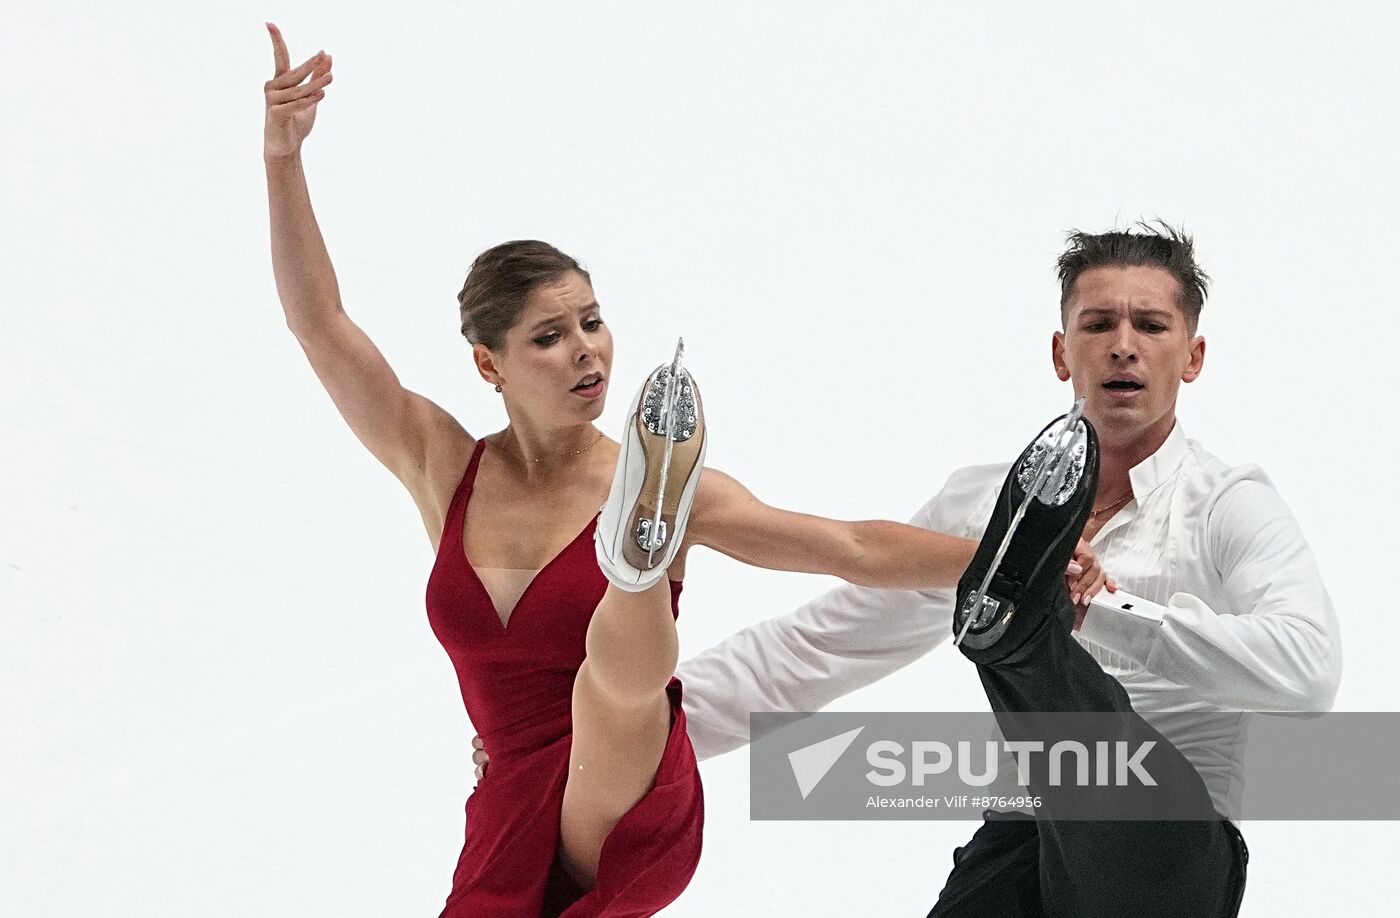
(841, 641)
(1275, 647)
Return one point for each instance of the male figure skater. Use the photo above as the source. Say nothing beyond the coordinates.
(1238, 618)
(1242, 620)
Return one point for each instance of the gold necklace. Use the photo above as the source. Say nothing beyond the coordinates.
(568, 455)
(1095, 514)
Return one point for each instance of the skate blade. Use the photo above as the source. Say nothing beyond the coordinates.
(1056, 468)
(669, 425)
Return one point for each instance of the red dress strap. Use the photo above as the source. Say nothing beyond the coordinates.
(451, 536)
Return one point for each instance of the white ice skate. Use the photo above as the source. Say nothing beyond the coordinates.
(658, 469)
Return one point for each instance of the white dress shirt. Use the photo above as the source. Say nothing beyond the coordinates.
(1246, 625)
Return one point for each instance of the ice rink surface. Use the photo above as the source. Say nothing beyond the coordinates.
(218, 691)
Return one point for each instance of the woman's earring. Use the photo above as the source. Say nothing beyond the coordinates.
(498, 387)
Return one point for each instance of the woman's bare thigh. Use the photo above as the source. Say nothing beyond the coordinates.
(613, 762)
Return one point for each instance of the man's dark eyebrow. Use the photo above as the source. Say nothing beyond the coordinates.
(1097, 312)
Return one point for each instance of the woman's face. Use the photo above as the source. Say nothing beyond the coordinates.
(556, 359)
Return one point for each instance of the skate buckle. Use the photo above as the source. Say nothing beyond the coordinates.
(990, 609)
(651, 535)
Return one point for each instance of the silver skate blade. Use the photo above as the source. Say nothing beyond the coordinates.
(668, 423)
(980, 594)
(1047, 481)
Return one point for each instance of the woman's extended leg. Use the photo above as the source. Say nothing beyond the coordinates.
(622, 718)
(621, 712)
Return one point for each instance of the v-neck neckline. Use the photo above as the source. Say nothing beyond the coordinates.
(529, 587)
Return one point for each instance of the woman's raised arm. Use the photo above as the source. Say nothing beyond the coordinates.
(401, 428)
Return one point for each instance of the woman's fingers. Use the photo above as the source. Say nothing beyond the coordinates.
(319, 62)
(291, 97)
(1086, 575)
(280, 60)
(280, 96)
(283, 77)
(1085, 578)
(299, 105)
(479, 757)
(1073, 574)
(1091, 583)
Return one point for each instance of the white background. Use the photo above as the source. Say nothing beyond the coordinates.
(218, 691)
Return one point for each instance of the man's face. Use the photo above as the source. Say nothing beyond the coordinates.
(1127, 349)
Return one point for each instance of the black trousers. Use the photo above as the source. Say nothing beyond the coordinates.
(1018, 865)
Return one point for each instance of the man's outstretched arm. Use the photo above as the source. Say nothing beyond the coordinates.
(839, 642)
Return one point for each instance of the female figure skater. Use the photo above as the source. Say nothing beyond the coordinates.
(593, 805)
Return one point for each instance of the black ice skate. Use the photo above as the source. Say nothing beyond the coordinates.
(1016, 579)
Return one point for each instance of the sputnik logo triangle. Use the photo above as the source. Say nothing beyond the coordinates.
(811, 763)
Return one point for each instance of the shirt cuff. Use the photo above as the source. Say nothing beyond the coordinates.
(1131, 634)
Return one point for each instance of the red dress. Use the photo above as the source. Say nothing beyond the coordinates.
(517, 682)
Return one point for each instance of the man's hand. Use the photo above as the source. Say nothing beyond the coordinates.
(479, 757)
(291, 102)
(1084, 577)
